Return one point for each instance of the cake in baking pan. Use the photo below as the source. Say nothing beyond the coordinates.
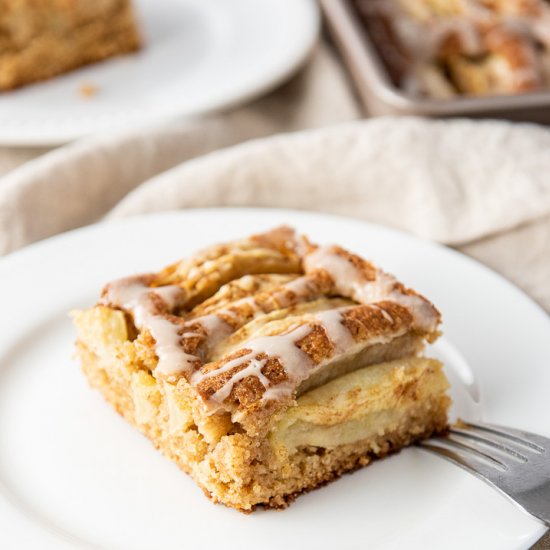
(444, 48)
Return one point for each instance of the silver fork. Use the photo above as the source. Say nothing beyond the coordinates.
(515, 462)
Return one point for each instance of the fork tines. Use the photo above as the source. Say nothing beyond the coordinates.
(515, 462)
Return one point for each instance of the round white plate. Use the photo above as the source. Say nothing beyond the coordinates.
(73, 473)
(199, 56)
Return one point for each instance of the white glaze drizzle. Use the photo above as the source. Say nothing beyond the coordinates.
(128, 294)
(216, 328)
(283, 346)
(254, 368)
(337, 333)
(301, 286)
(278, 345)
(349, 281)
(290, 293)
(134, 296)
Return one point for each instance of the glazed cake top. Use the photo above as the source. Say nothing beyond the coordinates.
(246, 323)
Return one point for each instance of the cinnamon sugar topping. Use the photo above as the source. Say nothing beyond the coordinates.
(360, 285)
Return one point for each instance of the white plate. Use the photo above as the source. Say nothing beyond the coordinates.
(199, 55)
(73, 472)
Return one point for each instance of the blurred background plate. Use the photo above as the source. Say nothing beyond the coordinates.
(199, 56)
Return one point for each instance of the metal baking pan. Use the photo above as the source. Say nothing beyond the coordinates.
(381, 97)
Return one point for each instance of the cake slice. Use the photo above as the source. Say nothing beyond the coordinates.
(41, 39)
(268, 366)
